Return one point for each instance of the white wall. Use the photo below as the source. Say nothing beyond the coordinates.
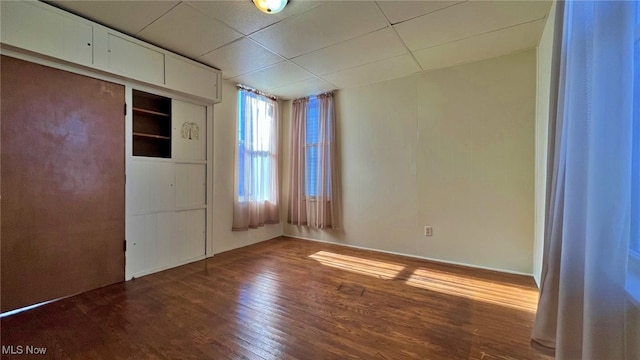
(224, 143)
(545, 48)
(453, 149)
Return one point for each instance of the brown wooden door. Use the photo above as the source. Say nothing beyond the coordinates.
(62, 183)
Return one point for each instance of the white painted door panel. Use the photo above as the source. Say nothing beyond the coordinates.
(30, 26)
(152, 186)
(189, 138)
(191, 78)
(191, 184)
(190, 235)
(135, 61)
(140, 244)
(164, 234)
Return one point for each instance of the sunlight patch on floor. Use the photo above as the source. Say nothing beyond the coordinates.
(491, 292)
(380, 269)
(502, 294)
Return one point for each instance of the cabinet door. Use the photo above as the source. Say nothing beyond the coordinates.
(189, 138)
(189, 234)
(149, 243)
(192, 78)
(27, 25)
(135, 61)
(140, 256)
(191, 184)
(150, 186)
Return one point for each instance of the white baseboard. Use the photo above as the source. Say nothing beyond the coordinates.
(412, 256)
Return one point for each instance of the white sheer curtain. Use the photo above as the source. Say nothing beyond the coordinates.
(314, 191)
(256, 193)
(581, 313)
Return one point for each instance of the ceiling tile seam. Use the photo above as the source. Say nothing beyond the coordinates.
(429, 13)
(371, 63)
(221, 46)
(300, 81)
(207, 14)
(481, 59)
(256, 43)
(356, 66)
(271, 65)
(328, 46)
(480, 34)
(158, 18)
(413, 57)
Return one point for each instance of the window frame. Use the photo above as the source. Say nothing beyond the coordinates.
(311, 195)
(241, 148)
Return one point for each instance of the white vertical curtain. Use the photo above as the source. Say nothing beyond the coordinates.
(256, 185)
(322, 210)
(581, 312)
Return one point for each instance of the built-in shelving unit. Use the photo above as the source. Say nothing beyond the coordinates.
(151, 125)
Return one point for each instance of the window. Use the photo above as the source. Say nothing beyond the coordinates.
(257, 158)
(311, 148)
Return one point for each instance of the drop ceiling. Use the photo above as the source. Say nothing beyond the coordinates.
(316, 46)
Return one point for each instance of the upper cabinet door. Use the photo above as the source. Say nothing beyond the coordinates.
(135, 61)
(30, 26)
(192, 79)
(189, 138)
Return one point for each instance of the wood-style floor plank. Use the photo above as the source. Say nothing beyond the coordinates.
(290, 299)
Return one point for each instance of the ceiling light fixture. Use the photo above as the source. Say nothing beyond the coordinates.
(270, 6)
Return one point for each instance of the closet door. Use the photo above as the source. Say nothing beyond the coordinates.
(62, 183)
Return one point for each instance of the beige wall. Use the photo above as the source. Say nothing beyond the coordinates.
(224, 143)
(542, 127)
(453, 149)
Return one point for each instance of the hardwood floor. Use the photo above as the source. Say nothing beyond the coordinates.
(289, 299)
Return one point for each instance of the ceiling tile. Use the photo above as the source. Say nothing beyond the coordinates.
(126, 16)
(321, 26)
(240, 57)
(380, 71)
(274, 76)
(313, 86)
(481, 47)
(378, 45)
(244, 17)
(189, 32)
(466, 20)
(399, 11)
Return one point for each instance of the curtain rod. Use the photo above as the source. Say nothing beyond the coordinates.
(253, 90)
(327, 93)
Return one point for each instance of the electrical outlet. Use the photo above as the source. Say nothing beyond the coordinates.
(428, 231)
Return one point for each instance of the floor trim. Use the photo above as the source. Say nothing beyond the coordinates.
(413, 256)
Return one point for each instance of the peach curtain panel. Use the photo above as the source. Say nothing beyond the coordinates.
(319, 208)
(256, 185)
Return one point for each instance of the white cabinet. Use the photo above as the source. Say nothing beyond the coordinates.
(134, 61)
(29, 26)
(167, 195)
(189, 133)
(43, 29)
